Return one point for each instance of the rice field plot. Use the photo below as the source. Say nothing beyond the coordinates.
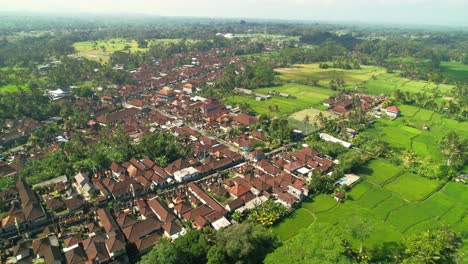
(429, 224)
(394, 133)
(455, 71)
(412, 187)
(101, 50)
(387, 83)
(297, 119)
(359, 190)
(292, 225)
(408, 110)
(426, 145)
(339, 215)
(385, 208)
(373, 197)
(435, 206)
(302, 97)
(324, 76)
(319, 203)
(378, 171)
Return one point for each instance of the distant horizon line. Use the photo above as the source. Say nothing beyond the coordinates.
(263, 19)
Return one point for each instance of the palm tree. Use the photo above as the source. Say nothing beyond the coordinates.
(453, 148)
(409, 158)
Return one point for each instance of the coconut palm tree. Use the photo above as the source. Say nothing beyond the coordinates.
(409, 158)
(453, 148)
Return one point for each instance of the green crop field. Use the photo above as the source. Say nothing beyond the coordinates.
(300, 218)
(359, 190)
(379, 171)
(305, 97)
(455, 71)
(412, 187)
(407, 131)
(102, 49)
(393, 216)
(313, 72)
(320, 203)
(387, 83)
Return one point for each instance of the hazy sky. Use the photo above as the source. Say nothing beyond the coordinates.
(448, 12)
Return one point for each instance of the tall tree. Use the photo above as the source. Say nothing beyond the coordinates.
(454, 149)
(433, 247)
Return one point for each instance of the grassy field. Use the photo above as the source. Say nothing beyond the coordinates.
(297, 119)
(387, 83)
(378, 171)
(313, 72)
(407, 131)
(455, 71)
(299, 219)
(394, 217)
(95, 51)
(305, 97)
(412, 187)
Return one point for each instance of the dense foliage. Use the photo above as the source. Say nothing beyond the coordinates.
(243, 243)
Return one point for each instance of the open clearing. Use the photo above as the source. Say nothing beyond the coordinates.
(378, 171)
(455, 71)
(323, 76)
(101, 50)
(305, 97)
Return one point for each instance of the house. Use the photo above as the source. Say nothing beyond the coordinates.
(287, 199)
(330, 138)
(22, 252)
(166, 94)
(7, 170)
(339, 197)
(76, 255)
(246, 120)
(257, 155)
(85, 184)
(393, 111)
(173, 229)
(48, 249)
(188, 88)
(185, 174)
(160, 210)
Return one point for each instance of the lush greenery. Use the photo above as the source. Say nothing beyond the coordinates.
(241, 243)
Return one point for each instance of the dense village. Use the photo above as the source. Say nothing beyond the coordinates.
(70, 221)
(227, 158)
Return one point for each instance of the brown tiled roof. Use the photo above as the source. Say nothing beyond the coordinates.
(233, 205)
(246, 119)
(125, 220)
(115, 242)
(238, 190)
(72, 240)
(95, 248)
(43, 248)
(76, 256)
(107, 220)
(141, 229)
(205, 197)
(172, 227)
(147, 243)
(160, 210)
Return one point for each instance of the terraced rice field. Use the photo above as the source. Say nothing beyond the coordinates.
(394, 216)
